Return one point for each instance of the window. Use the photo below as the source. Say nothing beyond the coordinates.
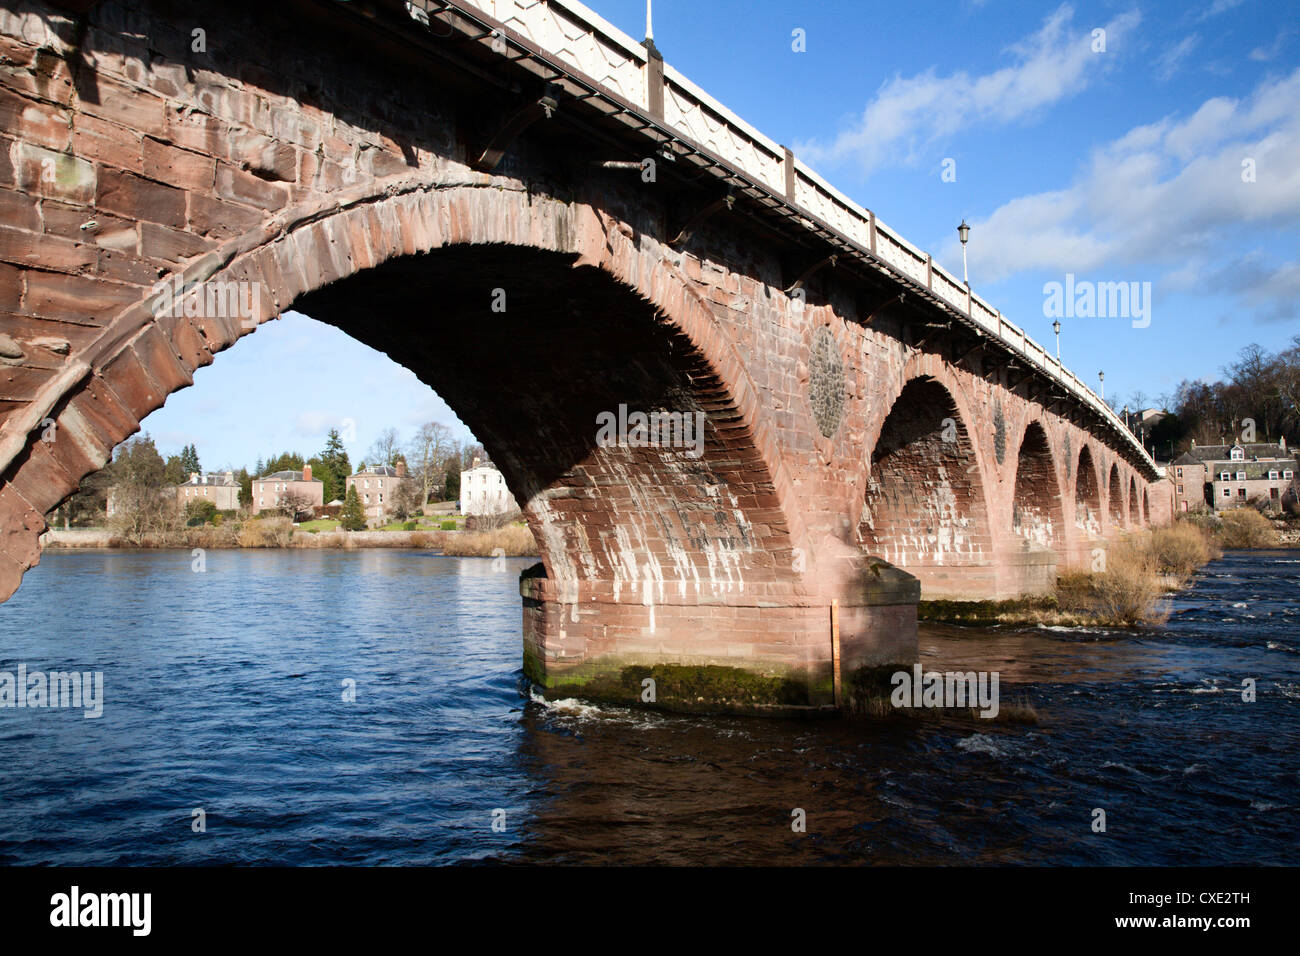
(1272, 493)
(1241, 476)
(1224, 476)
(1238, 455)
(1241, 492)
(1180, 473)
(1287, 474)
(1272, 476)
(1180, 489)
(1227, 492)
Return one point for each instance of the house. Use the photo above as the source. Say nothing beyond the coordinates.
(1225, 476)
(376, 487)
(483, 491)
(221, 488)
(269, 490)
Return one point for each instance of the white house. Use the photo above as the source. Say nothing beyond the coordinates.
(483, 491)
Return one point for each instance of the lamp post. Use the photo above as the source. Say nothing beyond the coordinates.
(1056, 327)
(1101, 377)
(963, 233)
(649, 28)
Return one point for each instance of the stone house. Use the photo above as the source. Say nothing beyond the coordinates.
(269, 489)
(483, 491)
(1226, 476)
(221, 488)
(376, 487)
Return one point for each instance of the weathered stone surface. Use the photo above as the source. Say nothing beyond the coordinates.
(835, 460)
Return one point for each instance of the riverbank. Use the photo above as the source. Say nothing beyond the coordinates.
(511, 541)
(1133, 578)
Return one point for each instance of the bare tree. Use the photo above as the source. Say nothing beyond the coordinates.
(386, 448)
(295, 505)
(427, 458)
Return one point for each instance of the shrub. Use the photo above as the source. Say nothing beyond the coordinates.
(448, 526)
(1128, 590)
(1182, 548)
(408, 526)
(1246, 528)
(514, 541)
(265, 533)
(200, 512)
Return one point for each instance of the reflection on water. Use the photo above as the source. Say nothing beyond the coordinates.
(224, 690)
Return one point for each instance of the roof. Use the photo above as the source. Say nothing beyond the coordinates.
(287, 476)
(387, 471)
(1254, 470)
(221, 479)
(1199, 454)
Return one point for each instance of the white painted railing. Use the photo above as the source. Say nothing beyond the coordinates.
(579, 38)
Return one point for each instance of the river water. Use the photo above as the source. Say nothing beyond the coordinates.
(224, 692)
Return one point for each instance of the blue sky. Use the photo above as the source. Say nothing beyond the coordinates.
(1123, 165)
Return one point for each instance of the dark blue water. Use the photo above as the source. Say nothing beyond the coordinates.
(224, 692)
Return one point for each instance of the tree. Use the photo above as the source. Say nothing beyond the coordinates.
(285, 461)
(294, 505)
(331, 466)
(174, 470)
(353, 516)
(429, 450)
(189, 462)
(407, 499)
(451, 478)
(200, 511)
(245, 487)
(142, 503)
(385, 449)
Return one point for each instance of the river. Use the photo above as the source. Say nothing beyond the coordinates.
(223, 692)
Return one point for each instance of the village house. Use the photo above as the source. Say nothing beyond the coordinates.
(483, 491)
(376, 487)
(269, 490)
(221, 488)
(1226, 476)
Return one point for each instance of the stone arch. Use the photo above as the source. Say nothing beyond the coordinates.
(1087, 493)
(925, 507)
(1036, 511)
(1134, 508)
(711, 522)
(1146, 506)
(1115, 498)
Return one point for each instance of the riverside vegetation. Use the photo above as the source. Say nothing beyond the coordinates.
(1129, 587)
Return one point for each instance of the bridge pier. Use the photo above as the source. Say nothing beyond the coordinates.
(774, 656)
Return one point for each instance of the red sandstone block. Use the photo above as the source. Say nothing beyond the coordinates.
(20, 527)
(127, 106)
(198, 131)
(104, 411)
(122, 266)
(141, 199)
(214, 219)
(268, 159)
(34, 122)
(20, 383)
(186, 341)
(164, 365)
(178, 167)
(131, 384)
(85, 225)
(76, 298)
(170, 245)
(47, 252)
(241, 187)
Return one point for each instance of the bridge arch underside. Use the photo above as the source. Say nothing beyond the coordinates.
(925, 510)
(1087, 495)
(1115, 499)
(648, 549)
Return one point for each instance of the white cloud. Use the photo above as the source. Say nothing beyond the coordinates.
(1169, 198)
(1169, 62)
(909, 115)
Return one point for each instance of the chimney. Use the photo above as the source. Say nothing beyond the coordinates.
(194, 477)
(306, 472)
(401, 468)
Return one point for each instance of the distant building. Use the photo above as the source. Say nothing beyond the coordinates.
(483, 491)
(376, 487)
(268, 490)
(1225, 476)
(221, 488)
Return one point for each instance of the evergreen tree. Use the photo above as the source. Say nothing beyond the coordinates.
(331, 466)
(352, 517)
(174, 473)
(190, 461)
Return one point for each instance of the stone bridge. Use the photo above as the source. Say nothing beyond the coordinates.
(547, 224)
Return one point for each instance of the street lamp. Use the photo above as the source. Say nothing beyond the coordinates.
(963, 233)
(1056, 327)
(1101, 377)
